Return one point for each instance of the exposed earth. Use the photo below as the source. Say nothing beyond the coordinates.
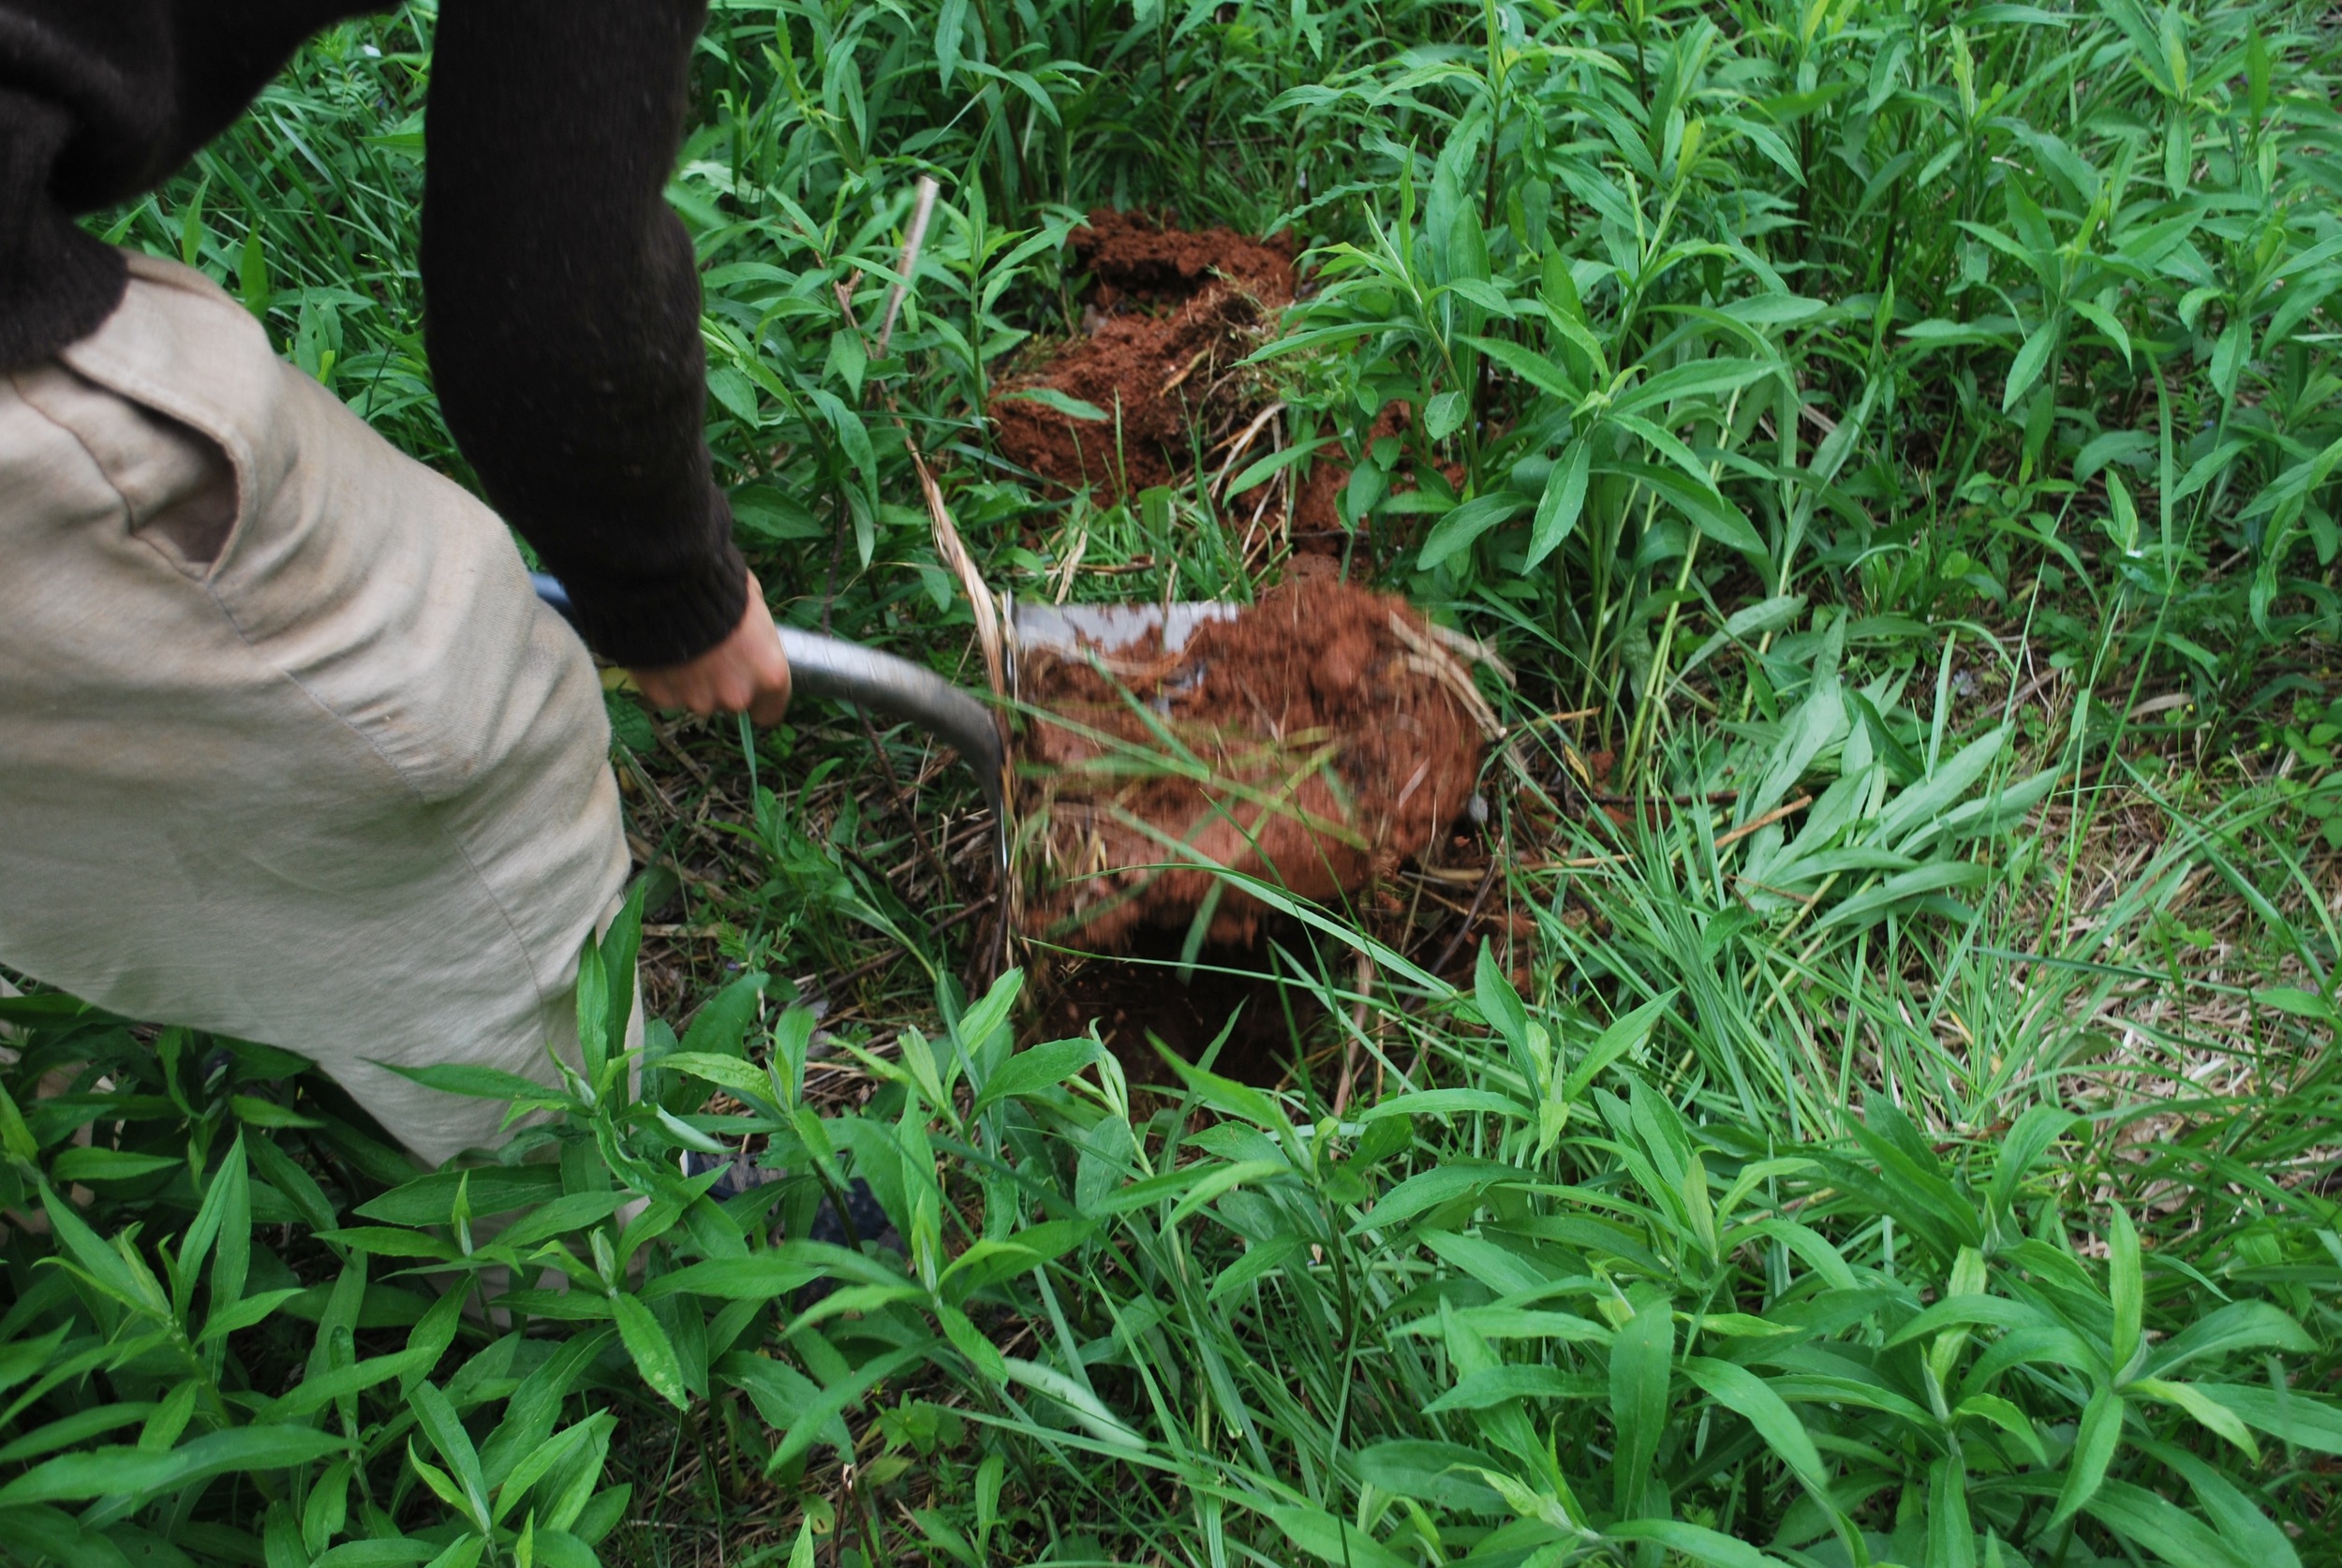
(1168, 319)
(1314, 741)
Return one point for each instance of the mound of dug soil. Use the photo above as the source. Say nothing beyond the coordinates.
(1315, 741)
(1169, 314)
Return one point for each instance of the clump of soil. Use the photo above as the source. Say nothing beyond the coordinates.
(1316, 740)
(1168, 316)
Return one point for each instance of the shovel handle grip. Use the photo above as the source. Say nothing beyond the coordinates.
(847, 671)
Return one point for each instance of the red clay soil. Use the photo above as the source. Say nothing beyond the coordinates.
(1168, 315)
(1331, 747)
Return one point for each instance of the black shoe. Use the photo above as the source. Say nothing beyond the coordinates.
(742, 1173)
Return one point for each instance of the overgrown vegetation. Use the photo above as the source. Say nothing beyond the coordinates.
(1899, 1130)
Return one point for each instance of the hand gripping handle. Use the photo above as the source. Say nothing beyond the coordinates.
(847, 671)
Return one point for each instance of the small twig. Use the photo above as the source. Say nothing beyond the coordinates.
(667, 743)
(1765, 822)
(1244, 440)
(901, 800)
(1479, 898)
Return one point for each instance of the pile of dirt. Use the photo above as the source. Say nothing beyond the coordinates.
(1316, 740)
(1168, 316)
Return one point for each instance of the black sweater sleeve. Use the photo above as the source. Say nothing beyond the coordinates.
(561, 308)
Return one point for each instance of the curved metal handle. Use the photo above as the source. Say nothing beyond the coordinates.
(847, 671)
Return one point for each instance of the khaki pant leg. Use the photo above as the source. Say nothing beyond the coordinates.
(305, 762)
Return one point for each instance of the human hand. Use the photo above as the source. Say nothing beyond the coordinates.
(745, 672)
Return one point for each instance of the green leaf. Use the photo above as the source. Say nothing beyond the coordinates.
(1698, 501)
(225, 1216)
(68, 1430)
(106, 1268)
(1036, 1068)
(1907, 816)
(387, 1241)
(139, 1471)
(442, 1485)
(1210, 1182)
(252, 275)
(1621, 1036)
(2239, 1325)
(545, 1457)
(969, 1340)
(16, 1139)
(1428, 1190)
(1640, 1356)
(2164, 1528)
(1445, 415)
(742, 1080)
(1445, 1473)
(1499, 1003)
(2124, 1287)
(721, 1023)
(439, 1423)
(1330, 1540)
(2287, 1414)
(529, 1415)
(1696, 379)
(2300, 1003)
(1493, 1386)
(2211, 1413)
(1456, 532)
(573, 1211)
(1697, 1542)
(1950, 1536)
(2022, 1148)
(1072, 407)
(653, 1353)
(490, 1189)
(1960, 1312)
(2030, 360)
(1078, 1400)
(391, 1552)
(731, 388)
(256, 1112)
(1561, 505)
(1442, 1103)
(2009, 1418)
(2095, 1441)
(1261, 471)
(1531, 367)
(110, 1164)
(1741, 1391)
(479, 1083)
(237, 1315)
(983, 1031)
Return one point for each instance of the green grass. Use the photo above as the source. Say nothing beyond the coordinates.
(1927, 414)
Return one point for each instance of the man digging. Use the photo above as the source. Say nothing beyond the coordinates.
(289, 749)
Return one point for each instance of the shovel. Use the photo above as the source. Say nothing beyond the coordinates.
(844, 671)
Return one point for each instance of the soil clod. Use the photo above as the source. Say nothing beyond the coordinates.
(1314, 741)
(1168, 316)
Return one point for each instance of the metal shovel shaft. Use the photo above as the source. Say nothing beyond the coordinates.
(833, 668)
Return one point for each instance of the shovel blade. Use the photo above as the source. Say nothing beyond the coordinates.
(1065, 629)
